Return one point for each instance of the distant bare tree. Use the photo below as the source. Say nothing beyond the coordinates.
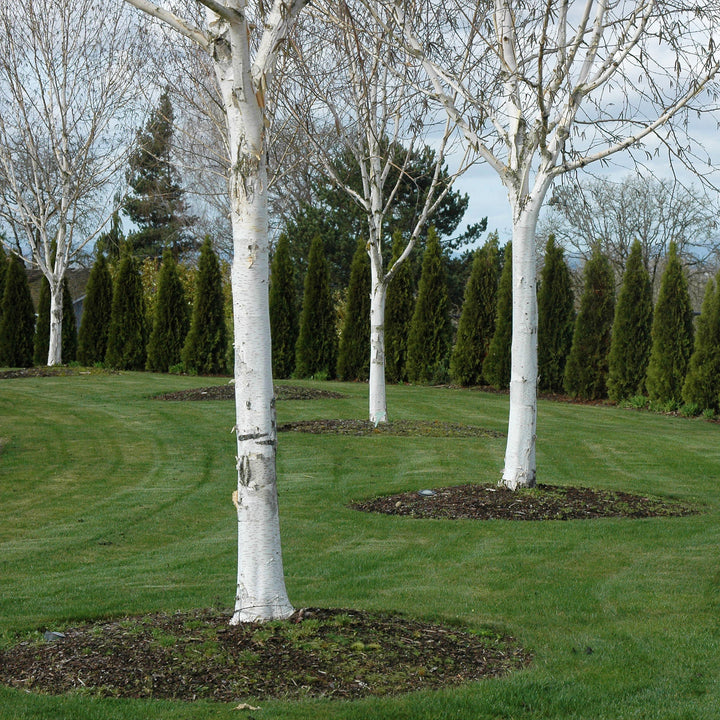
(68, 72)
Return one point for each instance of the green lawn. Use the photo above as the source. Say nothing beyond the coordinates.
(115, 503)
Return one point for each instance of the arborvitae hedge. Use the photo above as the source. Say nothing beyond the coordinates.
(587, 364)
(631, 332)
(496, 368)
(430, 329)
(702, 382)
(69, 326)
(17, 321)
(3, 270)
(283, 310)
(316, 348)
(477, 319)
(41, 342)
(127, 333)
(556, 318)
(354, 353)
(399, 307)
(172, 319)
(97, 308)
(206, 344)
(672, 334)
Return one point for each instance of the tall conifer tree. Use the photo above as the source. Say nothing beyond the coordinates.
(97, 308)
(631, 333)
(399, 307)
(430, 334)
(587, 365)
(156, 203)
(702, 382)
(316, 349)
(672, 334)
(496, 368)
(69, 328)
(477, 320)
(17, 318)
(172, 319)
(127, 333)
(556, 318)
(3, 270)
(354, 352)
(206, 343)
(283, 310)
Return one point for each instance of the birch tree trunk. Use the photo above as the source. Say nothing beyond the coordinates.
(56, 320)
(378, 400)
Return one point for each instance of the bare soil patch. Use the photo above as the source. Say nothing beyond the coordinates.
(317, 653)
(398, 427)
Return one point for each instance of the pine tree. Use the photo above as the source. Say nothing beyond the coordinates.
(316, 349)
(630, 344)
(399, 307)
(672, 334)
(97, 308)
(206, 344)
(587, 364)
(17, 318)
(702, 382)
(127, 333)
(556, 318)
(354, 352)
(477, 319)
(429, 339)
(156, 203)
(496, 368)
(41, 343)
(171, 322)
(283, 310)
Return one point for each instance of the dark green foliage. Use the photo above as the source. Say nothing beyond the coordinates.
(41, 343)
(430, 330)
(672, 334)
(172, 319)
(556, 317)
(354, 353)
(110, 243)
(340, 221)
(97, 308)
(631, 333)
(587, 364)
(399, 307)
(283, 311)
(477, 321)
(316, 350)
(702, 382)
(3, 270)
(69, 326)
(17, 318)
(496, 368)
(127, 333)
(156, 203)
(206, 343)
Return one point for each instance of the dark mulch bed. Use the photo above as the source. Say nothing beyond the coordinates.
(317, 653)
(544, 502)
(227, 392)
(398, 427)
(55, 371)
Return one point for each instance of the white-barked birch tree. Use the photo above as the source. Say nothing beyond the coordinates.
(244, 41)
(358, 94)
(68, 80)
(543, 89)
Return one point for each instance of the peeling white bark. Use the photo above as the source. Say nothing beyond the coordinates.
(56, 320)
(378, 400)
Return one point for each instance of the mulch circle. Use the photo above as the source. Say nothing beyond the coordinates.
(227, 392)
(421, 428)
(543, 502)
(316, 653)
